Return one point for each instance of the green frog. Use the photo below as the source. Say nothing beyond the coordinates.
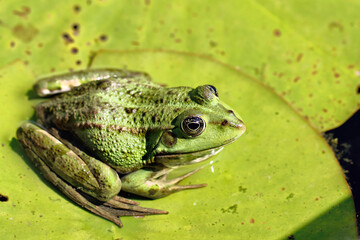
(106, 130)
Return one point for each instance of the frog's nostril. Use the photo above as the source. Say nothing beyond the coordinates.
(231, 112)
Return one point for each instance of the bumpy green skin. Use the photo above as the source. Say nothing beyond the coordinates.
(127, 122)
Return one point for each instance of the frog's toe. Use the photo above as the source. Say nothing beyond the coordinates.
(130, 207)
(147, 183)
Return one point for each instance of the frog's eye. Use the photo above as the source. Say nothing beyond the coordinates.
(193, 126)
(213, 90)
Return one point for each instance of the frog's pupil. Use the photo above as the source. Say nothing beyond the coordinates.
(193, 125)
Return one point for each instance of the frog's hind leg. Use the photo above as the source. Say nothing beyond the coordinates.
(65, 82)
(154, 184)
(71, 173)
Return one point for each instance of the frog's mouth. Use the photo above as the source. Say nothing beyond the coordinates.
(178, 159)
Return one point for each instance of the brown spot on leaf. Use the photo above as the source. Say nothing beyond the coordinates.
(3, 198)
(177, 40)
(25, 33)
(76, 28)
(296, 79)
(351, 66)
(24, 12)
(299, 57)
(147, 2)
(77, 8)
(337, 75)
(135, 43)
(314, 72)
(12, 44)
(325, 110)
(74, 50)
(78, 62)
(277, 33)
(336, 25)
(68, 39)
(40, 45)
(103, 38)
(252, 220)
(213, 44)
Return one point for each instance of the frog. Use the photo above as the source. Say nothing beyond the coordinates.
(100, 132)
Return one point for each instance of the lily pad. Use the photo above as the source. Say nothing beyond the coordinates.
(280, 180)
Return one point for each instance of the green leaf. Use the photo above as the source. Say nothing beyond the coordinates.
(279, 179)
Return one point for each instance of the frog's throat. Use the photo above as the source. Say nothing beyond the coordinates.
(178, 159)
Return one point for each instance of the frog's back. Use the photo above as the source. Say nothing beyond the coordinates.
(112, 117)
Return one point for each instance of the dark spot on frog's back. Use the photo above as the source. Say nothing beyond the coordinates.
(159, 101)
(130, 110)
(155, 118)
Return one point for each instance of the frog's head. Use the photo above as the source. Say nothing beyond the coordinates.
(200, 131)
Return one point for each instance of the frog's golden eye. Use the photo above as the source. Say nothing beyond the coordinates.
(193, 126)
(213, 90)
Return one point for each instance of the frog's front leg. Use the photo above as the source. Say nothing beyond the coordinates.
(70, 173)
(154, 184)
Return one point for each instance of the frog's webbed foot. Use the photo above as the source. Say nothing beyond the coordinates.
(150, 184)
(126, 207)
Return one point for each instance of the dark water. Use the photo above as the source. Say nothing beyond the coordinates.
(345, 141)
